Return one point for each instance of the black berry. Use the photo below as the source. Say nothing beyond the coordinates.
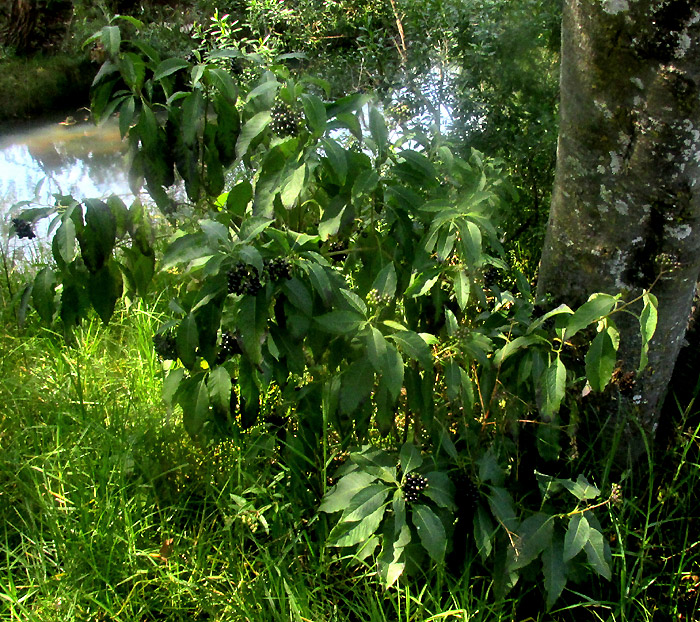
(165, 345)
(244, 279)
(413, 487)
(277, 269)
(285, 121)
(228, 347)
(337, 250)
(23, 228)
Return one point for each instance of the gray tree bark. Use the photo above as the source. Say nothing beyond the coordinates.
(626, 202)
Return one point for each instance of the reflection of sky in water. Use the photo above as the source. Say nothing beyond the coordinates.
(83, 161)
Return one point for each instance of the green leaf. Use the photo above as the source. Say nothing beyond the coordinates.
(647, 326)
(251, 130)
(414, 346)
(315, 113)
(126, 113)
(501, 504)
(337, 158)
(340, 322)
(554, 572)
(392, 374)
(253, 227)
(43, 294)
(239, 198)
(252, 320)
(350, 534)
(581, 488)
(365, 502)
(105, 288)
(98, 237)
(376, 349)
(597, 307)
(378, 131)
(385, 281)
(595, 551)
(171, 384)
(560, 310)
(601, 358)
(430, 531)
(298, 295)
(392, 560)
(64, 241)
(224, 83)
(410, 457)
(364, 184)
(513, 346)
(461, 286)
(554, 386)
(440, 489)
(293, 187)
(453, 379)
(338, 498)
(576, 536)
(111, 39)
(194, 400)
(357, 385)
(184, 249)
(470, 242)
(219, 387)
(483, 533)
(534, 536)
(187, 341)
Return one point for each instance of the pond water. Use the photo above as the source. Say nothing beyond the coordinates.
(67, 157)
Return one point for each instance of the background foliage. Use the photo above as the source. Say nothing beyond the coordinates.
(345, 324)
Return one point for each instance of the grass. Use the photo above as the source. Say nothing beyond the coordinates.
(108, 512)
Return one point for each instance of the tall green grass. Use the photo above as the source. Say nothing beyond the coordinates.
(108, 512)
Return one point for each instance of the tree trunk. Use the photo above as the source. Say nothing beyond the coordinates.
(21, 25)
(626, 200)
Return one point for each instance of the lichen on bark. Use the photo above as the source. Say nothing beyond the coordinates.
(626, 203)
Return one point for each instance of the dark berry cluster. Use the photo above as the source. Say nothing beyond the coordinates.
(376, 298)
(277, 269)
(466, 492)
(490, 277)
(337, 250)
(228, 347)
(165, 345)
(285, 120)
(413, 487)
(461, 333)
(23, 228)
(244, 279)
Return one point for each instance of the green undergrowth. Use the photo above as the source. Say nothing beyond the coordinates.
(108, 511)
(42, 85)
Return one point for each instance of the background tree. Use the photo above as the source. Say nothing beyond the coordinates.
(625, 205)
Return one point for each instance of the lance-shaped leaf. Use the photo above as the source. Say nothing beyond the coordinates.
(576, 536)
(534, 536)
(601, 358)
(554, 385)
(414, 346)
(410, 457)
(43, 294)
(430, 530)
(595, 551)
(597, 307)
(647, 326)
(338, 498)
(340, 322)
(554, 572)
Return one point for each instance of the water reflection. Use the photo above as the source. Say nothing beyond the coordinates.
(79, 159)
